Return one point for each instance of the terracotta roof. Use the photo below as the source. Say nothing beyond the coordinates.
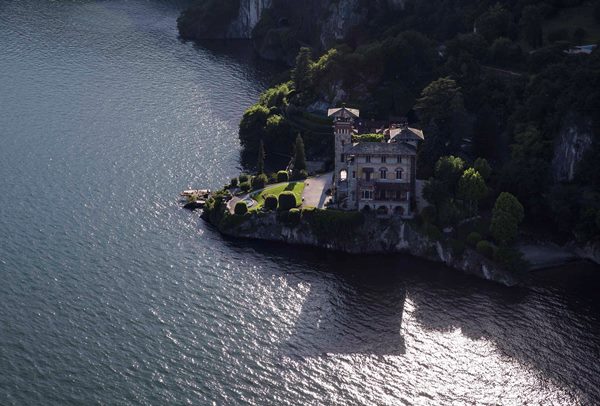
(396, 148)
(343, 112)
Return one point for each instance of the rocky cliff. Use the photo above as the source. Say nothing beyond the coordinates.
(383, 236)
(572, 142)
(250, 13)
(280, 27)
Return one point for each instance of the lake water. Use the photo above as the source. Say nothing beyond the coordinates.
(112, 294)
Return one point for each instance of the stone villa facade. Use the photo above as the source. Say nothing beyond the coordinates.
(374, 175)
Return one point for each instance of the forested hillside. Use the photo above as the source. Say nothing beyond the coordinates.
(484, 79)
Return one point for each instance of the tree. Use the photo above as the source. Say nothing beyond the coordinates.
(439, 100)
(287, 201)
(260, 162)
(283, 176)
(302, 73)
(482, 166)
(507, 214)
(494, 23)
(271, 202)
(241, 208)
(448, 170)
(472, 188)
(299, 155)
(531, 26)
(259, 181)
(442, 111)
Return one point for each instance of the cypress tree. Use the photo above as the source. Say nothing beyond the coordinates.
(299, 155)
(260, 162)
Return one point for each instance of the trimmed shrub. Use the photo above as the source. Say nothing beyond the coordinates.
(244, 178)
(299, 175)
(283, 176)
(457, 247)
(271, 202)
(245, 187)
(291, 218)
(234, 182)
(287, 201)
(241, 208)
(272, 178)
(473, 238)
(485, 248)
(259, 181)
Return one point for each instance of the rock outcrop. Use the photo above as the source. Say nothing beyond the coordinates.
(280, 27)
(249, 15)
(383, 236)
(572, 142)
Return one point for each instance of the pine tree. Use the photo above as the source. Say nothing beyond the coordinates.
(301, 75)
(260, 162)
(299, 155)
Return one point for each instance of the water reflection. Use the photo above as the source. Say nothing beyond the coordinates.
(357, 305)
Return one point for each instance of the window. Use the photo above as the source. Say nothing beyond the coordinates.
(383, 173)
(341, 157)
(399, 159)
(383, 159)
(399, 173)
(368, 176)
(366, 194)
(353, 174)
(343, 175)
(368, 158)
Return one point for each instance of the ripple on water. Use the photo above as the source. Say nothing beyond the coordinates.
(113, 294)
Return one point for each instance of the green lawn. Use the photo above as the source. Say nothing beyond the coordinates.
(296, 187)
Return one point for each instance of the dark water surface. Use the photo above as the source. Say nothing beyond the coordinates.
(111, 294)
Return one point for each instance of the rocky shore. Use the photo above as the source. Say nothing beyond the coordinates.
(374, 236)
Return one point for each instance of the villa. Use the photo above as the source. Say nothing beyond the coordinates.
(375, 164)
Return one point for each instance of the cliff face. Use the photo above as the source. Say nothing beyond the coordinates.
(248, 16)
(374, 236)
(280, 27)
(573, 141)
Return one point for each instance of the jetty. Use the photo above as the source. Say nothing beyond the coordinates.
(195, 198)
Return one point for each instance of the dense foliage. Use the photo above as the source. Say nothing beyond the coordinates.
(483, 79)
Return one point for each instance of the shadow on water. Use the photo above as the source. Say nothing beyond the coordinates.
(356, 306)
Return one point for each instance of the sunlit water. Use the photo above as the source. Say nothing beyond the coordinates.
(112, 294)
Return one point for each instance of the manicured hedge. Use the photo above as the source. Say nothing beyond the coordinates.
(271, 202)
(241, 208)
(245, 187)
(259, 182)
(291, 218)
(283, 176)
(287, 201)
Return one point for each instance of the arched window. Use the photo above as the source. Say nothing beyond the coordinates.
(383, 173)
(343, 175)
(399, 173)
